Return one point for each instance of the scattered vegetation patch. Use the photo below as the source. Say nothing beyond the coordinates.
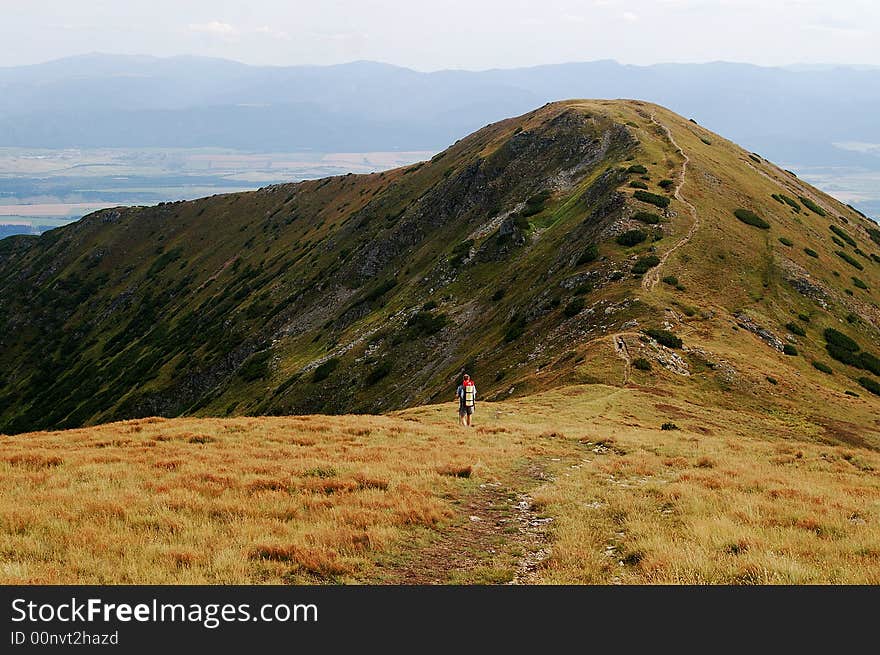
(874, 233)
(499, 294)
(821, 366)
(647, 217)
(637, 168)
(785, 241)
(644, 264)
(812, 206)
(590, 254)
(641, 364)
(871, 385)
(631, 237)
(706, 140)
(859, 284)
(749, 217)
(323, 371)
(837, 338)
(515, 330)
(671, 280)
(811, 253)
(669, 425)
(34, 462)
(536, 203)
(855, 263)
(652, 198)
(790, 350)
(664, 337)
(379, 372)
(794, 328)
(574, 307)
(666, 184)
(256, 367)
(426, 323)
(772, 380)
(843, 235)
(636, 184)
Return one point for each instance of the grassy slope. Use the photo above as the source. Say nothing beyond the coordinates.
(755, 495)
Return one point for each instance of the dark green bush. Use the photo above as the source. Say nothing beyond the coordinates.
(428, 306)
(380, 371)
(785, 241)
(664, 337)
(324, 370)
(642, 364)
(843, 235)
(631, 237)
(499, 294)
(521, 222)
(812, 206)
(804, 318)
(874, 233)
(583, 289)
(852, 318)
(838, 338)
(838, 242)
(647, 217)
(794, 328)
(788, 349)
(256, 367)
(671, 280)
(823, 367)
(644, 264)
(590, 254)
(777, 198)
(636, 184)
(791, 202)
(749, 217)
(870, 385)
(535, 204)
(849, 260)
(426, 323)
(637, 168)
(669, 426)
(869, 362)
(772, 380)
(875, 257)
(811, 252)
(859, 284)
(515, 330)
(851, 393)
(652, 198)
(843, 355)
(666, 184)
(574, 307)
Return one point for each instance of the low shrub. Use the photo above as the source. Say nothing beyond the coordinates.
(666, 184)
(647, 217)
(843, 235)
(323, 371)
(498, 295)
(426, 323)
(788, 349)
(631, 237)
(849, 260)
(821, 366)
(644, 264)
(574, 307)
(380, 371)
(785, 241)
(838, 338)
(583, 289)
(669, 426)
(637, 168)
(843, 355)
(871, 385)
(851, 393)
(749, 217)
(256, 367)
(652, 198)
(811, 253)
(708, 142)
(515, 330)
(874, 233)
(642, 364)
(791, 202)
(671, 280)
(869, 362)
(521, 222)
(859, 284)
(590, 254)
(428, 306)
(852, 318)
(812, 206)
(664, 337)
(636, 184)
(772, 380)
(804, 318)
(794, 328)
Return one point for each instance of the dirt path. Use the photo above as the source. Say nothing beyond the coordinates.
(497, 531)
(653, 276)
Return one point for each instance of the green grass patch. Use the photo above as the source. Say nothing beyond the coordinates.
(664, 337)
(631, 237)
(855, 263)
(749, 217)
(644, 264)
(652, 198)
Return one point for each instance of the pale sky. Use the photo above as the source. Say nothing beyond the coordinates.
(438, 34)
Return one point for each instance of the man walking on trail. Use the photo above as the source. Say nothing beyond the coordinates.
(467, 400)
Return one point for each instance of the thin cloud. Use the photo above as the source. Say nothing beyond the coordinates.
(273, 33)
(214, 28)
(630, 16)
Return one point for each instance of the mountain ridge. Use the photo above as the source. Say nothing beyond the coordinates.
(370, 293)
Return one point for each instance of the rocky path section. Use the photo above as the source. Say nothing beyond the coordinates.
(498, 537)
(653, 276)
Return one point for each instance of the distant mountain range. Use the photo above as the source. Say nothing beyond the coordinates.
(794, 114)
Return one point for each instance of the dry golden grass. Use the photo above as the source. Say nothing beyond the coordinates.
(754, 495)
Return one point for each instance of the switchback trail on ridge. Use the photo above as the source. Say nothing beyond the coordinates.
(653, 276)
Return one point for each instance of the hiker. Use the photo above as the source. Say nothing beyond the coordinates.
(467, 400)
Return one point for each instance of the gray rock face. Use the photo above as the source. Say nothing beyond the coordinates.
(746, 323)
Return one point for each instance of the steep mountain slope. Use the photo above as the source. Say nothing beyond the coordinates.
(532, 253)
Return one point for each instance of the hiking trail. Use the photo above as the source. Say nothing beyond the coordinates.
(653, 276)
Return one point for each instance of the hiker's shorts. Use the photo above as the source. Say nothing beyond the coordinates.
(465, 411)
